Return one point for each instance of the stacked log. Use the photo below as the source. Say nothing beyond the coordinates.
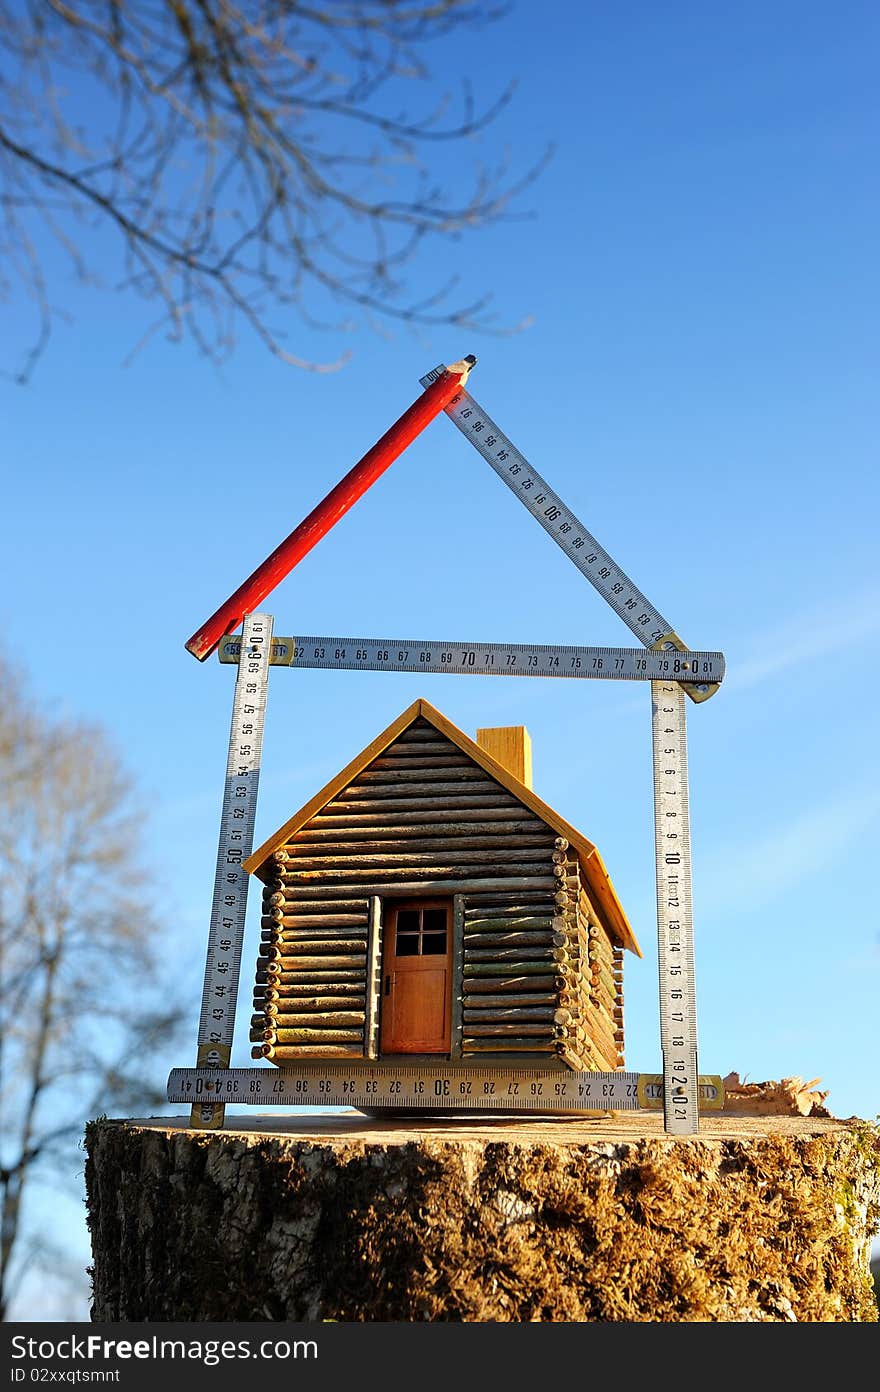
(603, 985)
(514, 959)
(592, 993)
(310, 997)
(423, 819)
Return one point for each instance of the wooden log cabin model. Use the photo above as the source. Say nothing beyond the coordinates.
(427, 903)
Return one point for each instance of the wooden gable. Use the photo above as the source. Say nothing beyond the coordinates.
(602, 892)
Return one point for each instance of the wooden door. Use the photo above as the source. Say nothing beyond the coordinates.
(416, 962)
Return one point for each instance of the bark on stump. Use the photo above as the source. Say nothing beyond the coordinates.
(343, 1217)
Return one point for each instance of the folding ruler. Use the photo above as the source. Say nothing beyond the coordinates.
(237, 821)
(664, 660)
(675, 946)
(438, 1086)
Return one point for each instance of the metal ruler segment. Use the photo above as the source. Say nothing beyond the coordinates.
(483, 659)
(440, 1086)
(672, 831)
(675, 942)
(237, 821)
(581, 547)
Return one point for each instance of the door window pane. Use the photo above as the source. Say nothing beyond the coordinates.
(421, 932)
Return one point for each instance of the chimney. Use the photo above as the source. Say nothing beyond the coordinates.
(511, 746)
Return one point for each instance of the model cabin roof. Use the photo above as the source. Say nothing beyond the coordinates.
(605, 899)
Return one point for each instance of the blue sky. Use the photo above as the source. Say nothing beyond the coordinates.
(698, 384)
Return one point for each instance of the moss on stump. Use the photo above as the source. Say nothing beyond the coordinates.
(346, 1218)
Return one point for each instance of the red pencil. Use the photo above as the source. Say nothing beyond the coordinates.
(337, 502)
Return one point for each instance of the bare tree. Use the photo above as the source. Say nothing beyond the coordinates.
(82, 1007)
(254, 158)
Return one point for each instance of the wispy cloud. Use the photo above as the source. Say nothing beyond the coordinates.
(815, 634)
(786, 854)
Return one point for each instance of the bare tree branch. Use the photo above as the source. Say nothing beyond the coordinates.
(76, 925)
(255, 160)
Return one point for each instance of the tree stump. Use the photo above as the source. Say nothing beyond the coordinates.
(343, 1217)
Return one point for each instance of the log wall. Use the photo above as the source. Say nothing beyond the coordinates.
(424, 820)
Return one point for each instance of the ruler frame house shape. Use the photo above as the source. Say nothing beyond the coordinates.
(675, 672)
